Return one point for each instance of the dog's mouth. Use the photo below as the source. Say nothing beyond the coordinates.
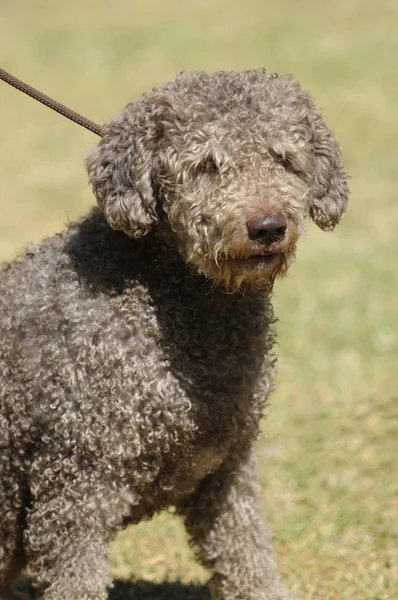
(254, 267)
(252, 260)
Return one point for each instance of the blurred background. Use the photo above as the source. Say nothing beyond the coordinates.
(329, 445)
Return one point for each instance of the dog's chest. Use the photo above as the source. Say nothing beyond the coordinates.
(216, 352)
(211, 342)
(195, 377)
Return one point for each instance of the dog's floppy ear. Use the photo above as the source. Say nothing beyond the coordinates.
(329, 188)
(120, 171)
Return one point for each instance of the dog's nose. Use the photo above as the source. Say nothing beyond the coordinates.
(267, 228)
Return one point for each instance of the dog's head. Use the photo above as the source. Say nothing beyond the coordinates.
(225, 167)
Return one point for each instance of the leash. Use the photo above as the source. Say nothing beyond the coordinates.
(53, 104)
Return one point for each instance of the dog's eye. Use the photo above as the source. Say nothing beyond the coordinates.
(287, 162)
(208, 165)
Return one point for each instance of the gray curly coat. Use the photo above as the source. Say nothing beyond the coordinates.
(135, 349)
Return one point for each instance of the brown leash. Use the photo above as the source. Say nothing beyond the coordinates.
(47, 101)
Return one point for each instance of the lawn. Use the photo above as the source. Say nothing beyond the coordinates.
(329, 445)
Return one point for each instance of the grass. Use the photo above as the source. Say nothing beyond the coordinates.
(328, 452)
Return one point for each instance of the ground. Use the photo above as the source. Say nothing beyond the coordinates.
(328, 452)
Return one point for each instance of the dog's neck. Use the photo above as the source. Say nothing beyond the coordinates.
(150, 260)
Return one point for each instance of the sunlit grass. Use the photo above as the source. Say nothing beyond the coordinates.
(329, 445)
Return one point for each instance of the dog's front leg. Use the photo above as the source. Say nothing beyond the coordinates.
(66, 540)
(223, 518)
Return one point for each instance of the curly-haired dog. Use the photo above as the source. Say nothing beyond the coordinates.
(135, 351)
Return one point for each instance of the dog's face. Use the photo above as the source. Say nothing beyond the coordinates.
(226, 167)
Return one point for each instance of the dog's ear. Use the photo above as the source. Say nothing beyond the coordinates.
(329, 187)
(120, 171)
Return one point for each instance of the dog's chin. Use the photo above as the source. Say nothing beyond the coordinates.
(256, 271)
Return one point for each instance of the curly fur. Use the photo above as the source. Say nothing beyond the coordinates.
(130, 379)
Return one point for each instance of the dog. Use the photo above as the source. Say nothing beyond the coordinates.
(136, 346)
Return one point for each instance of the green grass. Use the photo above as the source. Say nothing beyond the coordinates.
(328, 452)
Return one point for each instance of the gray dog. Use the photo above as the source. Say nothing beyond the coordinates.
(136, 347)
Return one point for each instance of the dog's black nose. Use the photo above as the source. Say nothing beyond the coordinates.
(267, 228)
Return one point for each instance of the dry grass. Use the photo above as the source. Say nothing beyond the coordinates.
(330, 444)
